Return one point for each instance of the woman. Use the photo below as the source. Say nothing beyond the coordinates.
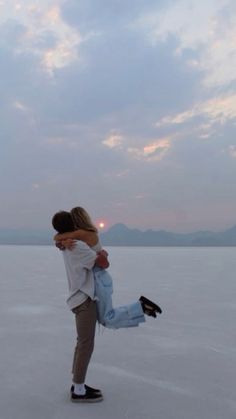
(125, 316)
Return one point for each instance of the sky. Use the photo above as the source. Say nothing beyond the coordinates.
(125, 108)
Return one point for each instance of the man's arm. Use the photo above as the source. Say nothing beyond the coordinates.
(88, 258)
(89, 237)
(101, 258)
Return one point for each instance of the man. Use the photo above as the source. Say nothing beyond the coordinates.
(79, 262)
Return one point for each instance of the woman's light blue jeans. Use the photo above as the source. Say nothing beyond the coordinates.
(114, 318)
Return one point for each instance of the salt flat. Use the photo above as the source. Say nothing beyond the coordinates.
(179, 366)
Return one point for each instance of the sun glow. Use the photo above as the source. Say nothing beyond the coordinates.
(101, 225)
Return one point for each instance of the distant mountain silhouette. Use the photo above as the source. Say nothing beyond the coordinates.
(25, 237)
(121, 235)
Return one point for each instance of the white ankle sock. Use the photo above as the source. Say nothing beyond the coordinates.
(79, 389)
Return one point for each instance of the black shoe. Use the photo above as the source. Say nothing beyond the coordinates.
(150, 313)
(88, 397)
(149, 307)
(88, 389)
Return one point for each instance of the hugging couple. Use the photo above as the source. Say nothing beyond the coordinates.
(90, 293)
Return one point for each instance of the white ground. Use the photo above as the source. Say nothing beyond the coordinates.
(180, 366)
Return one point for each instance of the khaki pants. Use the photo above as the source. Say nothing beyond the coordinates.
(85, 319)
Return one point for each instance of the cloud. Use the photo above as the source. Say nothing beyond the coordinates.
(213, 44)
(149, 152)
(106, 15)
(20, 106)
(212, 113)
(113, 140)
(38, 27)
(154, 151)
(97, 110)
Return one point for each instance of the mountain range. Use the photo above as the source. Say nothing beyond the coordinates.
(121, 235)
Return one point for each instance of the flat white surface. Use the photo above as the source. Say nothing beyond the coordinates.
(179, 366)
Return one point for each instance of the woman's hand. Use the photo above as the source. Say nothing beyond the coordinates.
(66, 244)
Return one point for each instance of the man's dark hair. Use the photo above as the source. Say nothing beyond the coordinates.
(62, 222)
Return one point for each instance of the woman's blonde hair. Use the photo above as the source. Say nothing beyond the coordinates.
(82, 220)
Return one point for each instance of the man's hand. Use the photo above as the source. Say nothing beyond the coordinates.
(103, 252)
(102, 260)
